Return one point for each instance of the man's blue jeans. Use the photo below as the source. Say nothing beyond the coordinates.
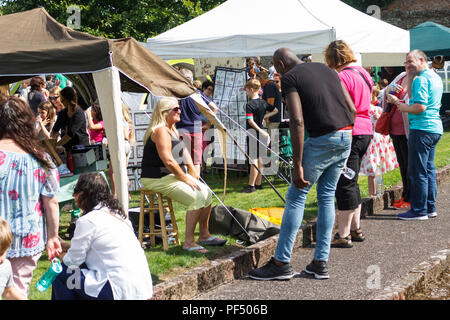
(323, 160)
(421, 171)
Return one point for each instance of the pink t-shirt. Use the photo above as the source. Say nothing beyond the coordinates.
(361, 95)
(97, 135)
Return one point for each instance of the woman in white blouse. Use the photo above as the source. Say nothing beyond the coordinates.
(104, 260)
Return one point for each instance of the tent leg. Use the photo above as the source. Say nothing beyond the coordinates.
(107, 83)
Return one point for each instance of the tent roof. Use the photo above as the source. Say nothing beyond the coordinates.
(432, 38)
(235, 28)
(43, 46)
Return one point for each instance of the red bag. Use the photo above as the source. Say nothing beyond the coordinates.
(383, 122)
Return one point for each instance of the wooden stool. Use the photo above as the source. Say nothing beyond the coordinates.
(150, 208)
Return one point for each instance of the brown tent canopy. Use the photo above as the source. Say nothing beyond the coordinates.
(101, 67)
(44, 46)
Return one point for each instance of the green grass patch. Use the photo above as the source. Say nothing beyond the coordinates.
(164, 265)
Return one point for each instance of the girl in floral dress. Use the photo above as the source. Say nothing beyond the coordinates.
(380, 153)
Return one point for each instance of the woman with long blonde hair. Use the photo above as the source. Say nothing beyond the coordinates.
(164, 170)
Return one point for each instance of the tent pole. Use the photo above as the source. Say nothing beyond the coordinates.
(257, 169)
(107, 84)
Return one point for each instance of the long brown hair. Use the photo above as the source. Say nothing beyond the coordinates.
(70, 100)
(51, 112)
(17, 122)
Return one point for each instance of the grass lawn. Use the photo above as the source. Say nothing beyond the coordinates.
(163, 264)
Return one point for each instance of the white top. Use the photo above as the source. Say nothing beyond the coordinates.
(111, 251)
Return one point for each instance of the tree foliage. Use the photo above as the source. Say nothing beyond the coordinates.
(140, 19)
(120, 18)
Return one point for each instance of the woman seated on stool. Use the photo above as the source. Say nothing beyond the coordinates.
(104, 260)
(164, 171)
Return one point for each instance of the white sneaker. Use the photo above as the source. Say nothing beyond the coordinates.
(432, 215)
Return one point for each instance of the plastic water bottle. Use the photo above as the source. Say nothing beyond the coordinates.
(394, 86)
(47, 279)
(76, 213)
(379, 186)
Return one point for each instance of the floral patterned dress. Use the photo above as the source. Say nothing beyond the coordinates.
(22, 182)
(380, 152)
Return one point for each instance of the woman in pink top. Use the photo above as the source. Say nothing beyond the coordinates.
(95, 122)
(359, 83)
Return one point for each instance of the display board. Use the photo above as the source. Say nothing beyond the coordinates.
(229, 95)
(141, 120)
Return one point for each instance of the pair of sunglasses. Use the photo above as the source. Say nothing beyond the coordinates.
(176, 109)
(53, 98)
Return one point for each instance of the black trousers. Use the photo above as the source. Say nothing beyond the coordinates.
(401, 150)
(348, 196)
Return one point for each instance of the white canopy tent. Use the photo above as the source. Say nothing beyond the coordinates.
(237, 29)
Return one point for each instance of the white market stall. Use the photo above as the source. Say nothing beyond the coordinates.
(242, 28)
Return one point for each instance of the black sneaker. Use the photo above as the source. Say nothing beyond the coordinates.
(319, 269)
(248, 189)
(258, 187)
(271, 271)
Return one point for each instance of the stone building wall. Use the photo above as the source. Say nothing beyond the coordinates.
(407, 14)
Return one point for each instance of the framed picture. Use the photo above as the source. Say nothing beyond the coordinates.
(140, 151)
(141, 118)
(140, 132)
(220, 78)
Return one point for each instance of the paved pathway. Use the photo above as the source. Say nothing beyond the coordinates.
(392, 248)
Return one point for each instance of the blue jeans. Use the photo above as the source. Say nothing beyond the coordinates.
(421, 171)
(323, 160)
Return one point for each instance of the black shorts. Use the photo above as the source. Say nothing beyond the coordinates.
(348, 196)
(256, 149)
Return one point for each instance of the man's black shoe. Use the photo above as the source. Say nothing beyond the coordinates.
(271, 271)
(319, 270)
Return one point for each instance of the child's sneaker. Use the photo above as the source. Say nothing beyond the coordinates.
(248, 189)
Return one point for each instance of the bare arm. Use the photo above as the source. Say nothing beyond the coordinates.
(297, 129)
(163, 142)
(12, 293)
(91, 124)
(348, 99)
(51, 209)
(416, 108)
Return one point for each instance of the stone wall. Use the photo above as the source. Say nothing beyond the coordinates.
(407, 14)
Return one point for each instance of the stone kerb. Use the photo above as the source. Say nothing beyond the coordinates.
(235, 265)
